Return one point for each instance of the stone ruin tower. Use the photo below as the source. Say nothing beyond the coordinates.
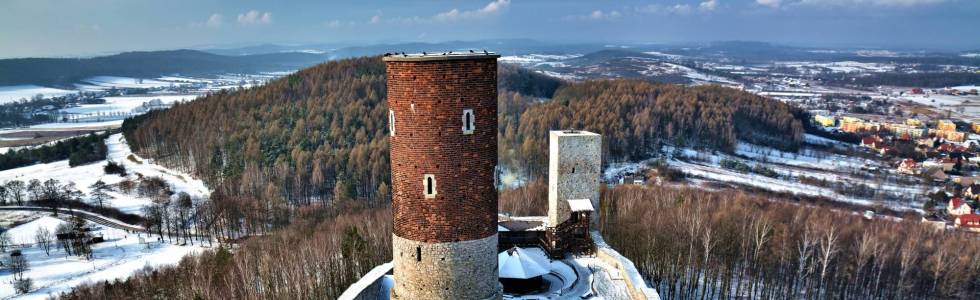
(574, 167)
(443, 133)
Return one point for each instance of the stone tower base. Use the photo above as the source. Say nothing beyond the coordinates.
(453, 270)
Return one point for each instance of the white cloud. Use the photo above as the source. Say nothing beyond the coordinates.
(679, 8)
(253, 17)
(596, 15)
(769, 3)
(214, 21)
(709, 5)
(880, 3)
(453, 15)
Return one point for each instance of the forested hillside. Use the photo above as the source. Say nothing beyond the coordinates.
(635, 117)
(320, 133)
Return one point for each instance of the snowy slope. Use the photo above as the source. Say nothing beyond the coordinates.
(24, 234)
(17, 92)
(790, 167)
(85, 175)
(119, 256)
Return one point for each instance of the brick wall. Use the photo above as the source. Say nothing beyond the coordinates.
(428, 99)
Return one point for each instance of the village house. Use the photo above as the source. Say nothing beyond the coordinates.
(955, 136)
(943, 164)
(905, 131)
(855, 125)
(872, 142)
(946, 125)
(908, 166)
(968, 222)
(825, 121)
(957, 207)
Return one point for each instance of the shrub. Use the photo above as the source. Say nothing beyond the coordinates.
(112, 167)
(764, 171)
(23, 285)
(735, 165)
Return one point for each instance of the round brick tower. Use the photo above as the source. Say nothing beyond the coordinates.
(443, 126)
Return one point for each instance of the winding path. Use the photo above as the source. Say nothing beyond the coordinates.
(89, 216)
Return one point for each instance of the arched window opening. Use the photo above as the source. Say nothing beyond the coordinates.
(469, 121)
(429, 185)
(391, 122)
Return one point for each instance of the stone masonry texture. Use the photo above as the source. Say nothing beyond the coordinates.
(574, 164)
(463, 270)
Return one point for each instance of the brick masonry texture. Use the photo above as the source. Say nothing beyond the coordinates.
(428, 99)
(574, 164)
(461, 270)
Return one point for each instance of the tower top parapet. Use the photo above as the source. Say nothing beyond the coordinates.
(438, 56)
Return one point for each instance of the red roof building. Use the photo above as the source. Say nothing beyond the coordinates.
(908, 166)
(969, 222)
(958, 207)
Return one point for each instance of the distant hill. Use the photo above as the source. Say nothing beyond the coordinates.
(606, 55)
(65, 71)
(340, 51)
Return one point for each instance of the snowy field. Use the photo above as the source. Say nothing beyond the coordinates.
(119, 256)
(126, 104)
(966, 107)
(17, 92)
(537, 60)
(84, 176)
(837, 67)
(125, 82)
(790, 167)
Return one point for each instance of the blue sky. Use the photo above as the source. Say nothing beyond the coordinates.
(42, 28)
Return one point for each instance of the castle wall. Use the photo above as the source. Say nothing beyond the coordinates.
(455, 270)
(574, 167)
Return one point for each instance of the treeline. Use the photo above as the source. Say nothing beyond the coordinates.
(923, 80)
(56, 194)
(693, 244)
(520, 80)
(78, 150)
(317, 257)
(637, 117)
